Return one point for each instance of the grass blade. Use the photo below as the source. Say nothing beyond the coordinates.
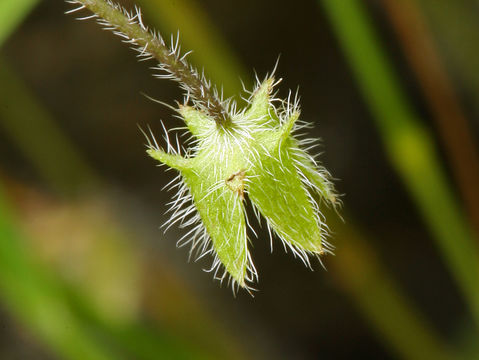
(408, 144)
(12, 13)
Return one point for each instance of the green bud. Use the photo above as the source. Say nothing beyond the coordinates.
(254, 155)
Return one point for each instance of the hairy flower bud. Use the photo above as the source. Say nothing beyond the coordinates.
(237, 153)
(256, 154)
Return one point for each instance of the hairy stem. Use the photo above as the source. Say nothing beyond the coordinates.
(151, 45)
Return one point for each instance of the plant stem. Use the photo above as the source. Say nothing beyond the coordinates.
(198, 32)
(152, 45)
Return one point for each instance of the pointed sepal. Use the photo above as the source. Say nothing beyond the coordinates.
(199, 123)
(279, 195)
(174, 161)
(261, 111)
(219, 202)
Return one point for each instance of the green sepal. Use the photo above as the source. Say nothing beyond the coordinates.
(260, 111)
(280, 196)
(222, 213)
(319, 179)
(174, 161)
(197, 121)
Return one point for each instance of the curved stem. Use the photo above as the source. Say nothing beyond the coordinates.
(151, 45)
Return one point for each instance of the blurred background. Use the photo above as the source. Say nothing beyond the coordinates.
(392, 89)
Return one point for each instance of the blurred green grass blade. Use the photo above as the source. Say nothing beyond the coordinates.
(408, 144)
(197, 33)
(456, 27)
(35, 298)
(32, 129)
(12, 13)
(59, 315)
(394, 318)
(133, 339)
